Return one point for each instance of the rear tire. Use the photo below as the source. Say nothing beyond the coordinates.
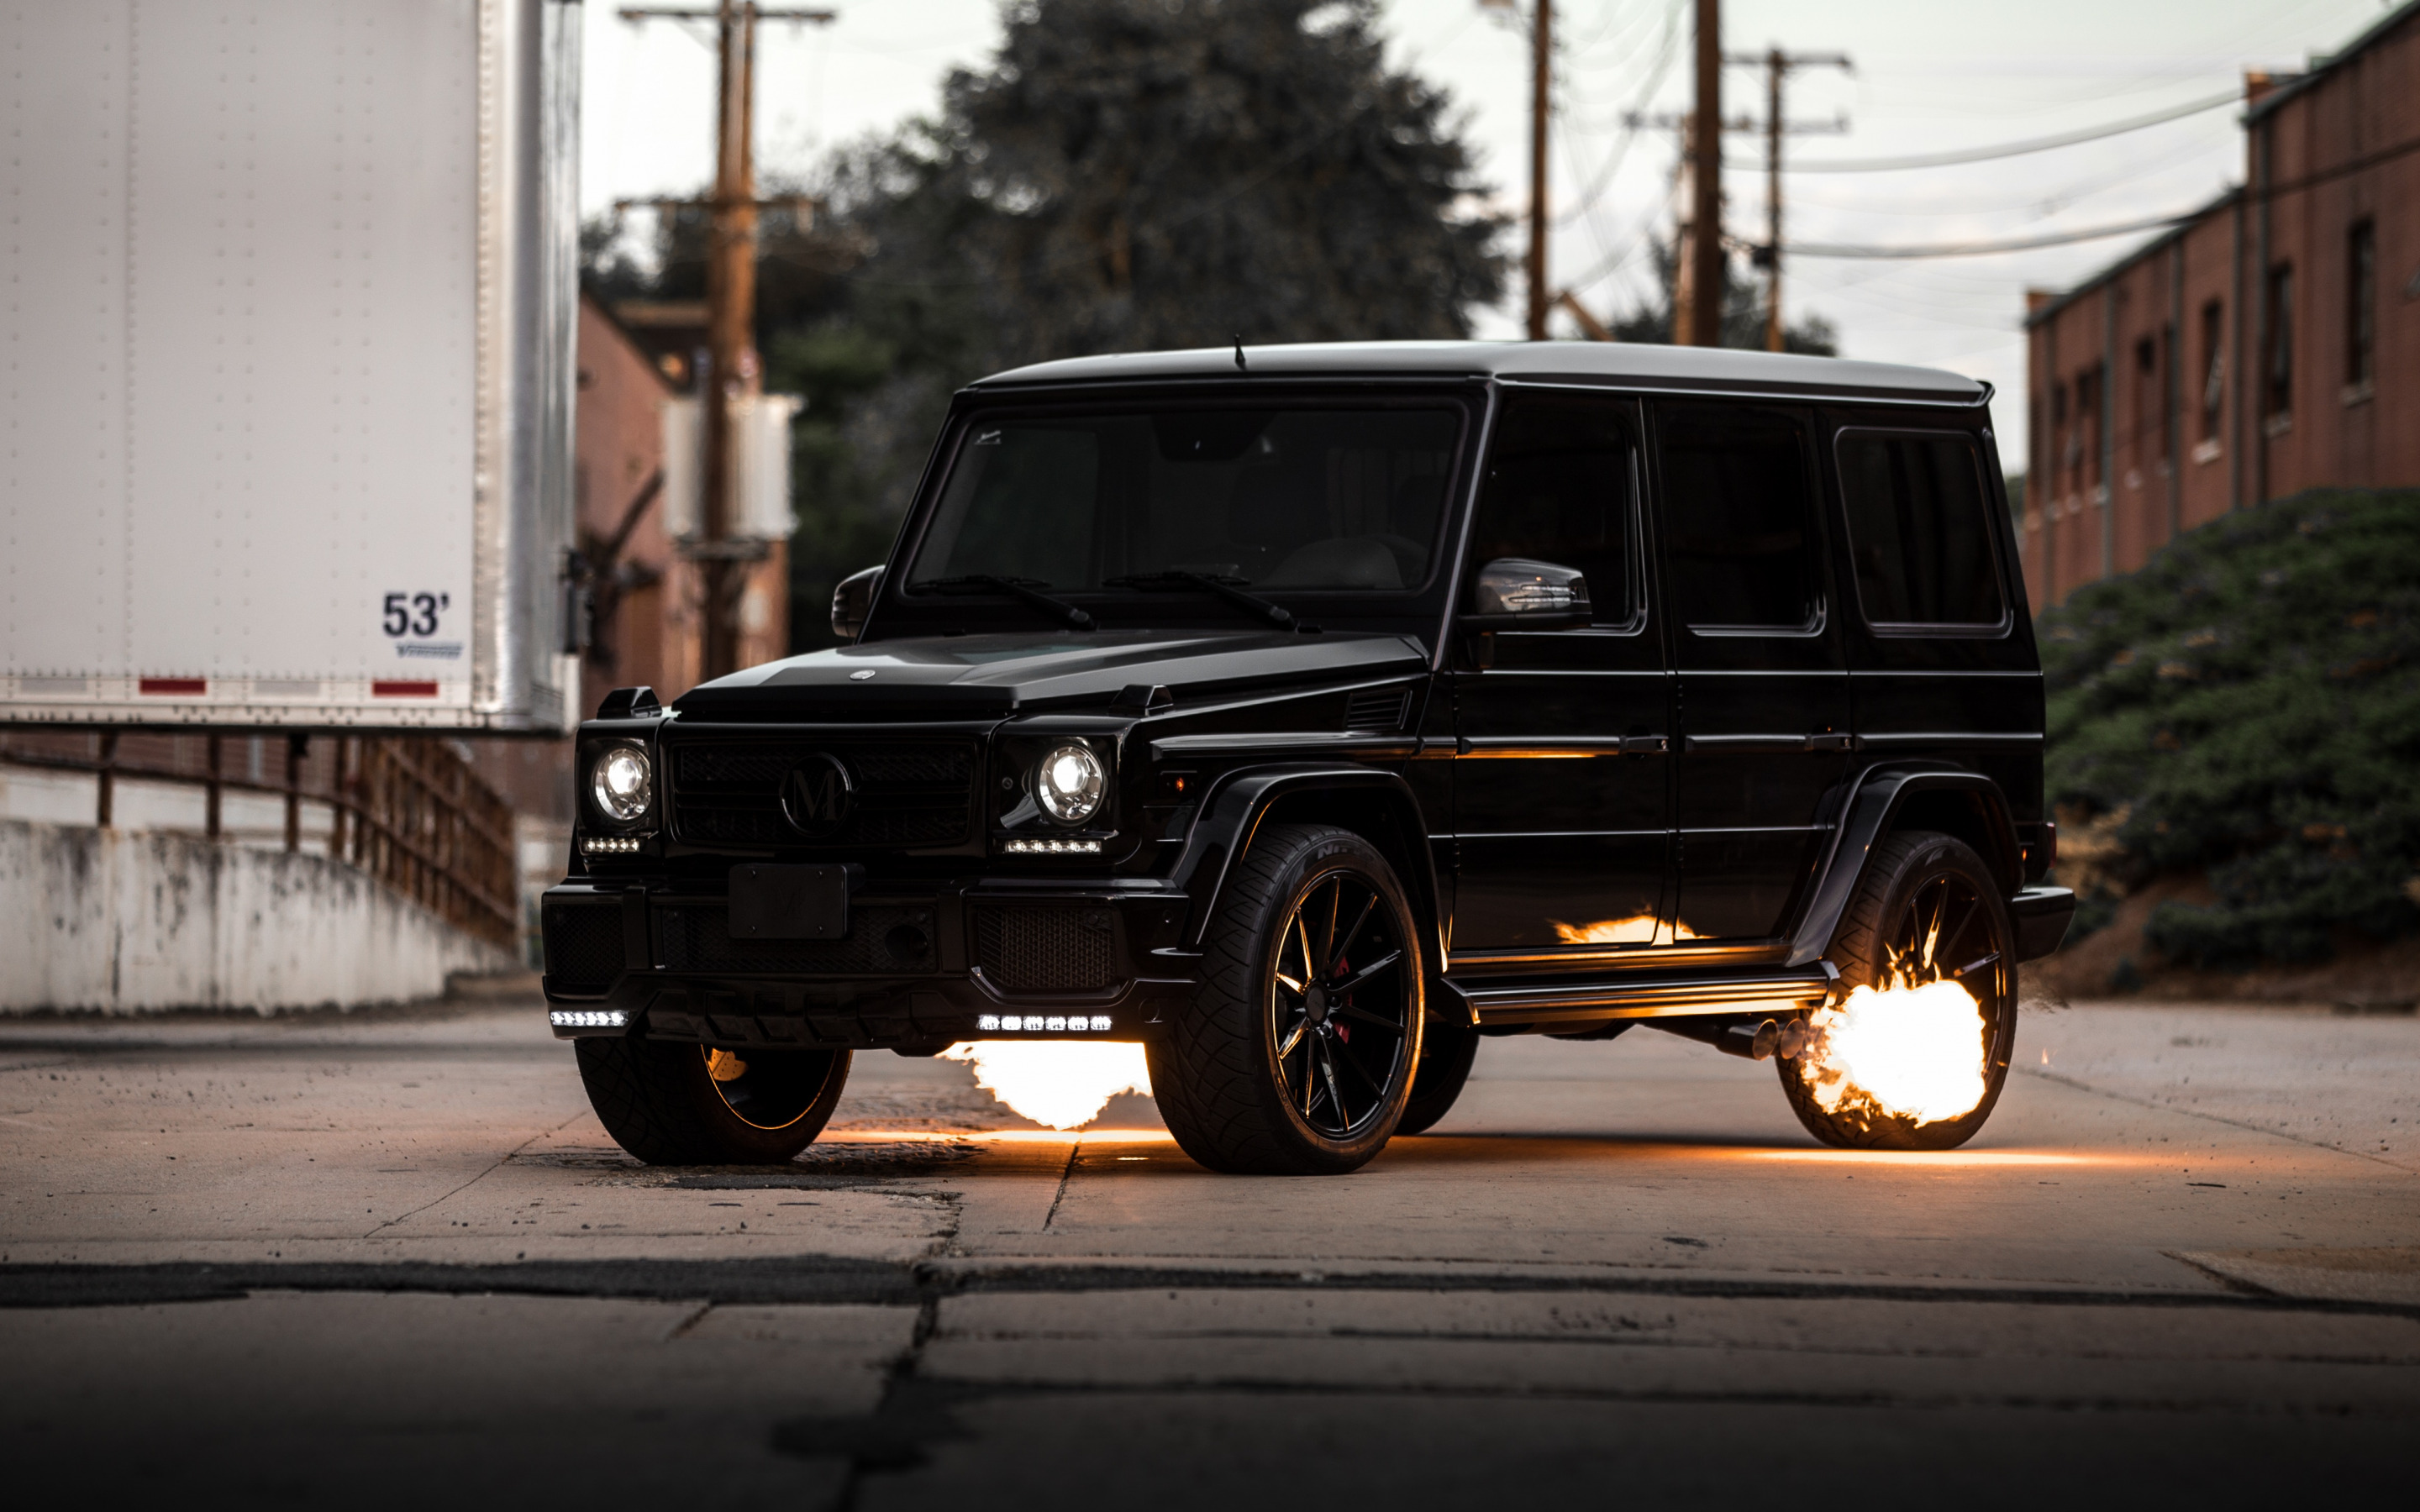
(1927, 908)
(1296, 1057)
(1447, 1050)
(686, 1105)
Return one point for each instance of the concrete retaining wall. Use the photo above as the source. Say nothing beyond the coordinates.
(132, 922)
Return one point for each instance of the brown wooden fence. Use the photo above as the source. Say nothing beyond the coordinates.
(409, 811)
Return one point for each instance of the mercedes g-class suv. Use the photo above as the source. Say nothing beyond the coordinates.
(1309, 713)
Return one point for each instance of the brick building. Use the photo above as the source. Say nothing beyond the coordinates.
(2268, 344)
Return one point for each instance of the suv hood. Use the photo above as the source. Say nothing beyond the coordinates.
(977, 676)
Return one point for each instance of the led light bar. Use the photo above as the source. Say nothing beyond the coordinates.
(609, 845)
(588, 1018)
(1054, 847)
(1042, 1023)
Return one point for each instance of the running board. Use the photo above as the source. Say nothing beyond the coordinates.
(1649, 997)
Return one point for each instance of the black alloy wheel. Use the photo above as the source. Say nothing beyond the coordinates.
(1926, 910)
(670, 1104)
(1337, 1059)
(1296, 1056)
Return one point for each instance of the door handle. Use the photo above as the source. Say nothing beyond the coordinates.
(1645, 745)
(1831, 740)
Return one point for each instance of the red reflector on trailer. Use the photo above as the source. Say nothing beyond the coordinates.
(403, 691)
(176, 687)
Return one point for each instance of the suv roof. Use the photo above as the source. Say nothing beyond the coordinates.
(1615, 364)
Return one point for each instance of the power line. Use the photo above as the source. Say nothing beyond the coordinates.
(1974, 249)
(2060, 238)
(1661, 67)
(2018, 149)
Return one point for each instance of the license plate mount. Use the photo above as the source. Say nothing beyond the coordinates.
(789, 902)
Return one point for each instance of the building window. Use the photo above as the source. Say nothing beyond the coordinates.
(2148, 407)
(2214, 367)
(2361, 304)
(2090, 386)
(2060, 440)
(2162, 395)
(2277, 364)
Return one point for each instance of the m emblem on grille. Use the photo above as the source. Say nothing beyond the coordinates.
(815, 797)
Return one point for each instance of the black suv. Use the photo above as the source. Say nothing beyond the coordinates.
(1308, 713)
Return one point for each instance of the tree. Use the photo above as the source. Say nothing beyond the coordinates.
(1132, 174)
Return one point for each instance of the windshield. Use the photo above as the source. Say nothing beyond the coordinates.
(1327, 497)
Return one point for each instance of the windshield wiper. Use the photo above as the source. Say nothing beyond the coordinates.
(1022, 587)
(1225, 588)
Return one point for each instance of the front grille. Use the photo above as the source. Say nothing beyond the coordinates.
(583, 946)
(1377, 708)
(1047, 949)
(882, 940)
(909, 795)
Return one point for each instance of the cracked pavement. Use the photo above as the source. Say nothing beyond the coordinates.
(392, 1256)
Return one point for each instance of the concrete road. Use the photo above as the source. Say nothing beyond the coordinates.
(386, 1260)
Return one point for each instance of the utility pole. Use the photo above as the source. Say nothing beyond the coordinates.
(1703, 326)
(730, 319)
(732, 372)
(1777, 65)
(1541, 100)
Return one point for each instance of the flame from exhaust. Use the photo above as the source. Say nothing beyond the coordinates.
(1056, 1084)
(1913, 1053)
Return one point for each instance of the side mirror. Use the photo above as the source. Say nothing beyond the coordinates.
(1517, 594)
(851, 599)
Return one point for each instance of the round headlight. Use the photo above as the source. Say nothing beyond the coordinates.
(622, 784)
(1069, 783)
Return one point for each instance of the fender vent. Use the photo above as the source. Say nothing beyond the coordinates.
(1377, 708)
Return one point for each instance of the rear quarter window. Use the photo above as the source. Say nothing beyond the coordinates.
(1920, 531)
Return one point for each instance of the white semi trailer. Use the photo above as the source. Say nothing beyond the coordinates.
(286, 312)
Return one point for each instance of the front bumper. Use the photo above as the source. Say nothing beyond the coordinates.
(918, 969)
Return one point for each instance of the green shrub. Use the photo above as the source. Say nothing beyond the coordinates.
(2251, 700)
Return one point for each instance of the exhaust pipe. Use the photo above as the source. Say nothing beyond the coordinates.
(1748, 1038)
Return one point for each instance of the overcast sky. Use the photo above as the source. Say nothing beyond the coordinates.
(1928, 77)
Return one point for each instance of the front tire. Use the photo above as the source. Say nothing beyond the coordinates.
(688, 1104)
(1926, 909)
(1296, 1056)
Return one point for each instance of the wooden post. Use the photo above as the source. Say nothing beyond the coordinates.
(337, 814)
(295, 747)
(1541, 100)
(731, 312)
(106, 804)
(1706, 260)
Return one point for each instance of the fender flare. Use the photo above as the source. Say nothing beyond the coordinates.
(1230, 815)
(1868, 816)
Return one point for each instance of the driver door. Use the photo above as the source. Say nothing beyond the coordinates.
(1561, 777)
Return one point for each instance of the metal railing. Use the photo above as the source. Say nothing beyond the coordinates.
(410, 811)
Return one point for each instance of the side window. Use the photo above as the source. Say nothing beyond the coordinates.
(1560, 489)
(1919, 530)
(1738, 517)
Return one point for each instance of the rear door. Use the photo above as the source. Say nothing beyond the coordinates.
(1561, 783)
(1762, 694)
